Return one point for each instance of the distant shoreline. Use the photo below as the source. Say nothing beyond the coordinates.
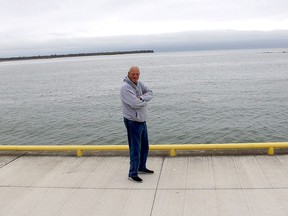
(74, 55)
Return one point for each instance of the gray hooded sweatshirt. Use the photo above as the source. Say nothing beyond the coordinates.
(134, 100)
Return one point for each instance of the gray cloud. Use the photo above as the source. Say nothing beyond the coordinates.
(196, 40)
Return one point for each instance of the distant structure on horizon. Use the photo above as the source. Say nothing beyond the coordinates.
(75, 55)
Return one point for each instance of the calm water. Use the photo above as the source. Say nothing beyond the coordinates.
(200, 97)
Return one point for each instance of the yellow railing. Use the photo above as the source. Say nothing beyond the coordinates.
(172, 148)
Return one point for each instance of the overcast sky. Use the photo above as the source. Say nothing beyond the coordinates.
(27, 25)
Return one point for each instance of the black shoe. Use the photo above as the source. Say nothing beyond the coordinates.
(146, 171)
(135, 179)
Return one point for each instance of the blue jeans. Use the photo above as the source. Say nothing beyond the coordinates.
(138, 145)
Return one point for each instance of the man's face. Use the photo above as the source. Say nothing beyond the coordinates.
(134, 74)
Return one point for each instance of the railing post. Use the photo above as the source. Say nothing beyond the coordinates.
(79, 153)
(271, 151)
(172, 152)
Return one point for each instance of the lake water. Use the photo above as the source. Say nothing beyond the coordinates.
(200, 97)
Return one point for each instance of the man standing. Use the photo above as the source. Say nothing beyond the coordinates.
(135, 96)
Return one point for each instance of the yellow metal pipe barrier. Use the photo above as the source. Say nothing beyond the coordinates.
(172, 148)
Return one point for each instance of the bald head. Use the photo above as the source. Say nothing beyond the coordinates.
(133, 69)
(134, 74)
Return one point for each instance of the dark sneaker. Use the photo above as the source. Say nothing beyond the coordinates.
(146, 171)
(135, 179)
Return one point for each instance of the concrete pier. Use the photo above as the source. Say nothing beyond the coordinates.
(207, 185)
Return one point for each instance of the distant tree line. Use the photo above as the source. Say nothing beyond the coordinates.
(75, 55)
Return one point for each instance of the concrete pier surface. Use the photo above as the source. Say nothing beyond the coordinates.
(206, 185)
